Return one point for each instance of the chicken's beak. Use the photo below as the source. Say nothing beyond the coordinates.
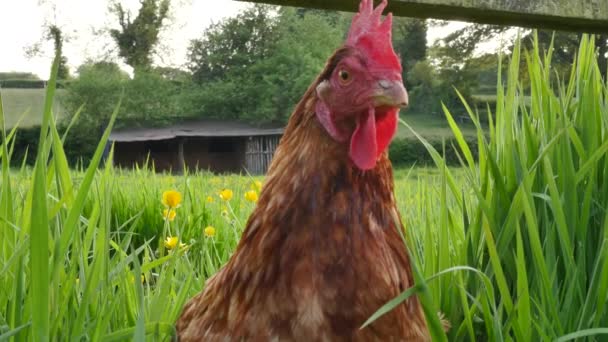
(390, 94)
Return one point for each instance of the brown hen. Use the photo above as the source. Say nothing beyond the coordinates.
(323, 250)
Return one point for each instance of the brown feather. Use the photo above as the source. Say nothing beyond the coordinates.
(321, 252)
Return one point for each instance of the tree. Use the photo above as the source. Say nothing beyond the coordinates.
(409, 40)
(233, 44)
(256, 66)
(98, 88)
(63, 73)
(303, 45)
(137, 38)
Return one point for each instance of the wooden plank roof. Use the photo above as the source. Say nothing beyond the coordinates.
(206, 128)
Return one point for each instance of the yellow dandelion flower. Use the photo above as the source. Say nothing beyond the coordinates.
(169, 214)
(251, 196)
(256, 185)
(226, 194)
(209, 231)
(171, 242)
(172, 198)
(210, 199)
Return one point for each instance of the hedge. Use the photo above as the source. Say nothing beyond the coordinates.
(409, 151)
(79, 148)
(28, 84)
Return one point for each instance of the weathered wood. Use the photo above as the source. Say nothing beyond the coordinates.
(259, 151)
(569, 15)
(181, 162)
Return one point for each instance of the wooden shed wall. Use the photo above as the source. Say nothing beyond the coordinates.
(259, 153)
(217, 154)
(163, 153)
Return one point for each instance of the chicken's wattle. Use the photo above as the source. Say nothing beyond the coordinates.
(373, 133)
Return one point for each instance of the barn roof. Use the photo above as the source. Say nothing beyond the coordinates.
(207, 128)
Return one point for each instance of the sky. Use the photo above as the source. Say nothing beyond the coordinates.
(82, 21)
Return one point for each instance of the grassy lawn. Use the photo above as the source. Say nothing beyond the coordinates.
(16, 102)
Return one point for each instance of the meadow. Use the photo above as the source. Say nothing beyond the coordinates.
(23, 106)
(510, 247)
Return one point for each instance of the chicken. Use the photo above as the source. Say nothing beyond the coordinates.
(323, 249)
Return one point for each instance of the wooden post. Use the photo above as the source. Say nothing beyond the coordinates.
(181, 162)
(570, 15)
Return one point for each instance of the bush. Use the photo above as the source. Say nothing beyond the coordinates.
(78, 146)
(409, 151)
(28, 84)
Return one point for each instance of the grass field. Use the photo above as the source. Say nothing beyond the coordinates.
(510, 247)
(27, 102)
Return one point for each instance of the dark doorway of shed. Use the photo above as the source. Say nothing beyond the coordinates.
(160, 153)
(216, 154)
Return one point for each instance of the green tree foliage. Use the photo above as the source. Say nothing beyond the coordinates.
(455, 64)
(151, 98)
(409, 40)
(233, 45)
(257, 65)
(98, 86)
(565, 46)
(137, 38)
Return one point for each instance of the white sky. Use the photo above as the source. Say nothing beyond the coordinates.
(21, 26)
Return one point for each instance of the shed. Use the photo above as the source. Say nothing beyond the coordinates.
(214, 145)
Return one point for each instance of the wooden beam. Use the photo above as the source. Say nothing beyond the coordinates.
(568, 15)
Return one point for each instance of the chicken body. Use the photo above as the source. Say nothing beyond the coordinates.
(320, 254)
(323, 249)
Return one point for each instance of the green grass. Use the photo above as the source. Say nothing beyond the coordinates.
(29, 101)
(511, 247)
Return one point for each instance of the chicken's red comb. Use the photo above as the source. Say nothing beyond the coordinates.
(372, 36)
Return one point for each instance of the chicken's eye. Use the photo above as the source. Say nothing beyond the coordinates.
(344, 76)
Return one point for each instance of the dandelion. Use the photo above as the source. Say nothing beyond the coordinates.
(251, 196)
(256, 185)
(169, 214)
(209, 231)
(210, 199)
(171, 242)
(226, 194)
(172, 199)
